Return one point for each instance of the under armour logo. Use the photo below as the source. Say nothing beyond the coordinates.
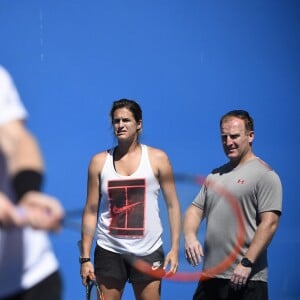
(241, 181)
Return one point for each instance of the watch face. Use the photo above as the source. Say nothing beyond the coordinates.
(246, 262)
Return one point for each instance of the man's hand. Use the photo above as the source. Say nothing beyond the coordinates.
(240, 276)
(193, 251)
(10, 215)
(42, 211)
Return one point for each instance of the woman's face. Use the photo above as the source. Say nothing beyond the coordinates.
(124, 124)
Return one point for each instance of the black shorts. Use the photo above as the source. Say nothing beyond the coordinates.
(114, 265)
(220, 289)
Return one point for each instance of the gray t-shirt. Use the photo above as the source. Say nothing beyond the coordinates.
(256, 188)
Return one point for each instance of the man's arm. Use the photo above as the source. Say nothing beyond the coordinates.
(191, 224)
(10, 214)
(20, 148)
(265, 231)
(25, 167)
(264, 234)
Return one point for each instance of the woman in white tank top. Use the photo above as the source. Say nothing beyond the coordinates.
(123, 185)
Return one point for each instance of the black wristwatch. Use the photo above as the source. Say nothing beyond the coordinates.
(246, 262)
(83, 260)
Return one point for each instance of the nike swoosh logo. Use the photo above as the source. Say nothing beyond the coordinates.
(118, 210)
(155, 266)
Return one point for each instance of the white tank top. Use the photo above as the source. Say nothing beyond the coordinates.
(129, 219)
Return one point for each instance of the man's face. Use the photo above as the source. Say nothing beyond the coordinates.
(235, 139)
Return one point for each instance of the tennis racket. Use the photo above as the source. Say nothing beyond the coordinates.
(92, 288)
(187, 187)
(93, 291)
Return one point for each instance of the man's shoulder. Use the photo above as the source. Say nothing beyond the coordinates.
(261, 163)
(225, 168)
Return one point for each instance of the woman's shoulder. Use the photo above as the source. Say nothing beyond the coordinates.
(99, 158)
(156, 152)
(158, 157)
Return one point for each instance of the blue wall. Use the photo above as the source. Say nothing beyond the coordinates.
(186, 62)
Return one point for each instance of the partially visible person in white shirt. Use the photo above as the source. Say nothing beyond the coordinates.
(29, 267)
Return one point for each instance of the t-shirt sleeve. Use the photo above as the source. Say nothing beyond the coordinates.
(269, 192)
(199, 200)
(11, 107)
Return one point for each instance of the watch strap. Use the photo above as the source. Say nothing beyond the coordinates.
(83, 260)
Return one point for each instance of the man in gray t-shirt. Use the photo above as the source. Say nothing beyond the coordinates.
(241, 202)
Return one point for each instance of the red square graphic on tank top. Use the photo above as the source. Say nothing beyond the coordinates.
(127, 207)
